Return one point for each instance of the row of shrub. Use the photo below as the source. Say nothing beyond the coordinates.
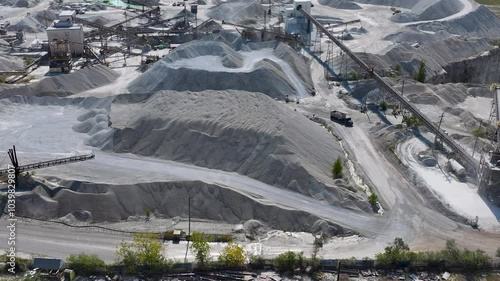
(398, 254)
(144, 256)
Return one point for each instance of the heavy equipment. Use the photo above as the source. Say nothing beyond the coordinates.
(341, 118)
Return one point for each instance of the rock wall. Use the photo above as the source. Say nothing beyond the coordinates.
(483, 69)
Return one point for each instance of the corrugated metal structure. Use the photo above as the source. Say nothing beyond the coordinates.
(65, 28)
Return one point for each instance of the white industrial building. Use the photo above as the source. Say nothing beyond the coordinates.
(65, 28)
(295, 22)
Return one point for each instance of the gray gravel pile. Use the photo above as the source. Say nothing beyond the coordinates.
(481, 22)
(225, 62)
(28, 24)
(358, 30)
(237, 11)
(45, 17)
(8, 2)
(420, 10)
(67, 84)
(97, 19)
(340, 4)
(429, 10)
(418, 4)
(95, 123)
(89, 202)
(438, 50)
(10, 63)
(22, 4)
(247, 133)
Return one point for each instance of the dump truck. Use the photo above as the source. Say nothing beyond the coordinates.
(341, 118)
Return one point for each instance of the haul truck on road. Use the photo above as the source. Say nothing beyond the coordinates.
(341, 118)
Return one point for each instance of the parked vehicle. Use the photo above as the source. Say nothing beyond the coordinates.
(341, 118)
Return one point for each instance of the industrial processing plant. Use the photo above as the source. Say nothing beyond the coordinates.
(281, 124)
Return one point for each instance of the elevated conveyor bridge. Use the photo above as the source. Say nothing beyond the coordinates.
(467, 160)
(497, 125)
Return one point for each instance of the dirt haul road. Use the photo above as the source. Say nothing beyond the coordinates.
(410, 215)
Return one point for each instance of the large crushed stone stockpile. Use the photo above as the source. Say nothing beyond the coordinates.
(417, 5)
(220, 64)
(10, 63)
(420, 10)
(481, 23)
(7, 2)
(247, 133)
(442, 95)
(91, 202)
(45, 17)
(429, 10)
(237, 11)
(96, 19)
(340, 4)
(439, 51)
(67, 84)
(28, 24)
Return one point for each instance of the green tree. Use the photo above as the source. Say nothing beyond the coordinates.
(398, 250)
(421, 73)
(479, 132)
(383, 106)
(354, 75)
(337, 168)
(317, 245)
(397, 69)
(373, 198)
(412, 121)
(497, 254)
(144, 252)
(84, 264)
(232, 255)
(288, 261)
(200, 248)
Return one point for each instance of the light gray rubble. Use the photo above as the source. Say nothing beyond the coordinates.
(62, 85)
(247, 133)
(94, 203)
(340, 4)
(226, 62)
(237, 11)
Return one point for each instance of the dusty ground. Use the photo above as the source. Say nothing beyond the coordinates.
(44, 131)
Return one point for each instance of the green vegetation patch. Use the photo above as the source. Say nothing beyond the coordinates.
(488, 2)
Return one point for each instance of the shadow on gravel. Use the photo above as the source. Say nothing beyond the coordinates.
(494, 209)
(375, 109)
(428, 142)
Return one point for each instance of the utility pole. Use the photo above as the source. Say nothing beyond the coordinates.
(269, 12)
(189, 219)
(439, 127)
(265, 15)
